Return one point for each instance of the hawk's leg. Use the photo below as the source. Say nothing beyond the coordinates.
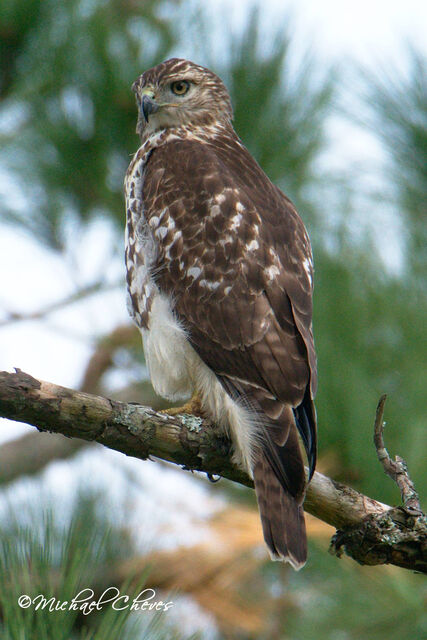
(193, 407)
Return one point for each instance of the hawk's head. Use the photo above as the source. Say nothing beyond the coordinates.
(179, 92)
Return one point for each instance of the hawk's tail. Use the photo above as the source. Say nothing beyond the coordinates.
(278, 467)
(280, 482)
(282, 516)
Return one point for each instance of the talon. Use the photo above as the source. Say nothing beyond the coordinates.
(192, 407)
(212, 478)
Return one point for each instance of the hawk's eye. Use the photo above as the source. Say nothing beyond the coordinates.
(180, 87)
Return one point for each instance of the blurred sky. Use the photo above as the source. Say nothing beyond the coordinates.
(371, 32)
(364, 29)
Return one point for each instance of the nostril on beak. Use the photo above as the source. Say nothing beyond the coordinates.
(148, 106)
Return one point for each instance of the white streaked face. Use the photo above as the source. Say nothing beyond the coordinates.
(185, 95)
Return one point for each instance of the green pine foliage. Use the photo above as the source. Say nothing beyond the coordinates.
(74, 112)
(355, 602)
(59, 561)
(369, 322)
(398, 115)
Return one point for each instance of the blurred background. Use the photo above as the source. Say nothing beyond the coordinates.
(332, 101)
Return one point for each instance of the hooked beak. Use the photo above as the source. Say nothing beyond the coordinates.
(148, 106)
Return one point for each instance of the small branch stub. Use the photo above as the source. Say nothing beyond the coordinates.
(396, 469)
(399, 535)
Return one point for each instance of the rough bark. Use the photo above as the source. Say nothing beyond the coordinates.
(194, 443)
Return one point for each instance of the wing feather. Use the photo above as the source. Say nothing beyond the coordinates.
(244, 290)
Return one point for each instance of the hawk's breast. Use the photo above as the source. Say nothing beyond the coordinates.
(169, 355)
(140, 249)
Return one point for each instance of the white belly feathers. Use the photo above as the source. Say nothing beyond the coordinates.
(169, 355)
(177, 371)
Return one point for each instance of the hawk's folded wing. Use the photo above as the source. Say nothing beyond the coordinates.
(235, 258)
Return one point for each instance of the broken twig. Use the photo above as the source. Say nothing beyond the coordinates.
(396, 469)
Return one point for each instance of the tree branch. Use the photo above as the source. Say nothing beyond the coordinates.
(29, 454)
(195, 444)
(96, 287)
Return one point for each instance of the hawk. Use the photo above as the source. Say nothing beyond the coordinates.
(220, 281)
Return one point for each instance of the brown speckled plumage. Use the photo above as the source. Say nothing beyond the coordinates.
(209, 232)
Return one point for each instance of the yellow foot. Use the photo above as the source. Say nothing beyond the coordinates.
(193, 407)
